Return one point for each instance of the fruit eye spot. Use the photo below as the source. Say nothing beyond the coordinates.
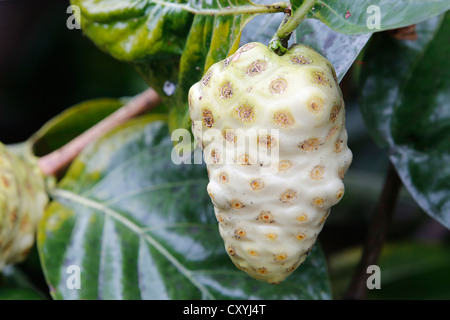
(341, 173)
(301, 60)
(206, 78)
(191, 106)
(220, 218)
(256, 68)
(288, 196)
(208, 119)
(310, 145)
(227, 61)
(318, 202)
(266, 217)
(280, 256)
(302, 217)
(252, 252)
(229, 135)
(267, 141)
(245, 113)
(5, 181)
(316, 105)
(262, 270)
(226, 91)
(223, 178)
(292, 268)
(246, 47)
(231, 251)
(236, 204)
(317, 172)
(215, 156)
(284, 119)
(239, 233)
(332, 132)
(13, 216)
(278, 86)
(244, 160)
(271, 236)
(300, 236)
(257, 184)
(320, 78)
(7, 247)
(338, 146)
(322, 221)
(285, 165)
(340, 194)
(334, 112)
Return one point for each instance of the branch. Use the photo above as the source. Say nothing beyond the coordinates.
(376, 235)
(58, 160)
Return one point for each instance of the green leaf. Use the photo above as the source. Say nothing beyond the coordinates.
(405, 100)
(171, 43)
(145, 30)
(210, 40)
(340, 49)
(141, 227)
(356, 17)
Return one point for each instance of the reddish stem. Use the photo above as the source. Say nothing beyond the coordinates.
(58, 160)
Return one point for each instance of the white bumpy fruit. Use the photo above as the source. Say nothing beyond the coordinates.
(22, 202)
(291, 108)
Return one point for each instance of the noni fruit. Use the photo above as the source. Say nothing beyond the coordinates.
(273, 136)
(22, 202)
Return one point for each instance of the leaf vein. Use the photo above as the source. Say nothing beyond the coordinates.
(70, 196)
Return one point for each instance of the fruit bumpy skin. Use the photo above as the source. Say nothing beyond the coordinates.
(22, 202)
(270, 222)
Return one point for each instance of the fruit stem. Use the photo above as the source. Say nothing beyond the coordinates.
(376, 234)
(279, 42)
(58, 160)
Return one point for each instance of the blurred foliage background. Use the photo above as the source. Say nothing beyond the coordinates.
(45, 68)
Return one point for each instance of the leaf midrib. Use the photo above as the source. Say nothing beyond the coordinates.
(139, 231)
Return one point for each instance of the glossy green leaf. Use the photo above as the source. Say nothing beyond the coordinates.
(361, 16)
(140, 227)
(210, 40)
(171, 43)
(405, 100)
(340, 49)
(144, 30)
